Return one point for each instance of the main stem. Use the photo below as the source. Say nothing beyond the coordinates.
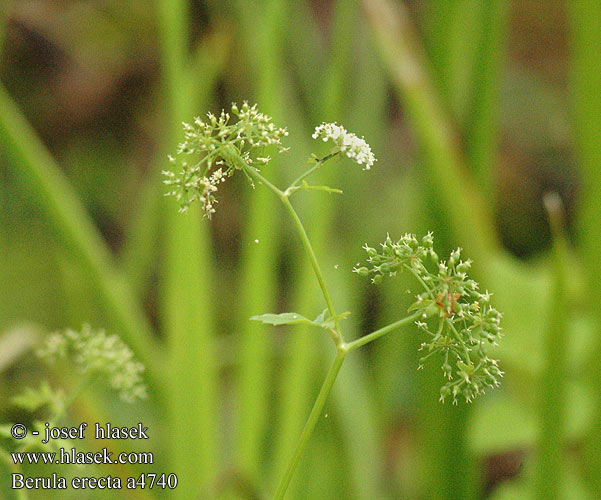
(342, 348)
(311, 421)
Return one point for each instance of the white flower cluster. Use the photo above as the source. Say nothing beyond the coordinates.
(348, 143)
(257, 127)
(218, 143)
(195, 187)
(96, 353)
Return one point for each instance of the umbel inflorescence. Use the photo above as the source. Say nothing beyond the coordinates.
(94, 353)
(213, 150)
(457, 318)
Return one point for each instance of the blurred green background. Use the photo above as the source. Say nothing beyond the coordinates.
(475, 110)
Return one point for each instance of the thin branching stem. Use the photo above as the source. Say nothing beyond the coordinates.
(295, 186)
(381, 332)
(308, 248)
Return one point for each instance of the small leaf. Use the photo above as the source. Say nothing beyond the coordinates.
(282, 319)
(328, 322)
(327, 189)
(322, 321)
(321, 318)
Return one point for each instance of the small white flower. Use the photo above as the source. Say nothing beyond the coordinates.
(348, 143)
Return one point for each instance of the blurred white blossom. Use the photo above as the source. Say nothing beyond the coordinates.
(95, 353)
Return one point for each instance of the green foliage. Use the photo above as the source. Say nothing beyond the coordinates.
(183, 307)
(34, 399)
(324, 320)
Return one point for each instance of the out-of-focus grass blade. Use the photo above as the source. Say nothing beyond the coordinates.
(15, 342)
(355, 394)
(317, 211)
(468, 215)
(139, 251)
(440, 20)
(359, 427)
(60, 206)
(186, 280)
(465, 41)
(334, 90)
(481, 131)
(306, 49)
(264, 38)
(586, 104)
(549, 468)
(459, 200)
(467, 38)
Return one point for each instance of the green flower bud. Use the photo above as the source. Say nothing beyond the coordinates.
(362, 271)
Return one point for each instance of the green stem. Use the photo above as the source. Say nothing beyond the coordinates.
(306, 244)
(343, 350)
(419, 278)
(253, 172)
(311, 421)
(351, 346)
(318, 163)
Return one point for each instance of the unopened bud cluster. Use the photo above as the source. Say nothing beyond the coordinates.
(213, 149)
(457, 318)
(95, 353)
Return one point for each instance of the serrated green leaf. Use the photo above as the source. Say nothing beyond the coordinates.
(321, 321)
(282, 319)
(329, 322)
(313, 159)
